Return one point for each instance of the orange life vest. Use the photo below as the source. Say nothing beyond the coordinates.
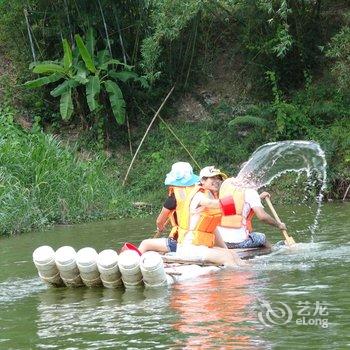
(180, 193)
(209, 219)
(237, 220)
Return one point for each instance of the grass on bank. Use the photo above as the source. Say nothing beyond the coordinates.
(43, 182)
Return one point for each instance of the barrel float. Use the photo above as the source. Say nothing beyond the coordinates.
(65, 258)
(87, 265)
(129, 266)
(152, 269)
(44, 260)
(107, 264)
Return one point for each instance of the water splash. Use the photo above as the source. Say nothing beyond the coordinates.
(274, 159)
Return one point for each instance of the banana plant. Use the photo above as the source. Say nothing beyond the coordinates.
(84, 66)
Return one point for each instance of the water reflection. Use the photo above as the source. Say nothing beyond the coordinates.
(217, 311)
(102, 318)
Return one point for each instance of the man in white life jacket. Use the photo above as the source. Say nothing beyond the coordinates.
(239, 205)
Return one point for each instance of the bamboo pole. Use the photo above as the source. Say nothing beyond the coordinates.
(129, 135)
(192, 54)
(29, 34)
(69, 24)
(178, 260)
(105, 27)
(346, 193)
(119, 34)
(178, 139)
(144, 136)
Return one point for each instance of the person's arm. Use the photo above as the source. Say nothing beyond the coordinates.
(168, 207)
(162, 219)
(268, 219)
(209, 203)
(264, 195)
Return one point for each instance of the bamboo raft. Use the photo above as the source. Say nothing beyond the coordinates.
(87, 268)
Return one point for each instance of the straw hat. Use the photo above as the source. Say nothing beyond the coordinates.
(210, 171)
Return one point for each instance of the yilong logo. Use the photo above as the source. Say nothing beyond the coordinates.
(277, 314)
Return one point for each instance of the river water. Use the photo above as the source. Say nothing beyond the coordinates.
(291, 299)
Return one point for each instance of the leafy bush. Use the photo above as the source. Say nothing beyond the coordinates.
(43, 182)
(339, 51)
(96, 71)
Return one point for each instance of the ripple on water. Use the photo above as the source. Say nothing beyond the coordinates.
(14, 289)
(303, 256)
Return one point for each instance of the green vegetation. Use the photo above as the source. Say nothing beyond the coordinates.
(257, 71)
(43, 182)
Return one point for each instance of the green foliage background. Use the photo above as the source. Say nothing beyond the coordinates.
(287, 63)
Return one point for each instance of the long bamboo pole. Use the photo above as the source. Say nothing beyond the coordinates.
(144, 136)
(29, 34)
(180, 142)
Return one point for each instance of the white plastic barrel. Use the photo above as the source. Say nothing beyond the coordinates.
(152, 269)
(44, 260)
(65, 258)
(129, 266)
(107, 264)
(87, 265)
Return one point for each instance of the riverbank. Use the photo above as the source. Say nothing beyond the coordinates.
(50, 180)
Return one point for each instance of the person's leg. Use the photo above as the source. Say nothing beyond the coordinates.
(219, 242)
(259, 240)
(222, 256)
(255, 240)
(155, 244)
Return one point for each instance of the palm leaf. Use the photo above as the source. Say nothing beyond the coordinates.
(103, 56)
(64, 87)
(93, 88)
(67, 54)
(34, 64)
(43, 81)
(90, 41)
(117, 101)
(48, 68)
(123, 75)
(66, 105)
(85, 54)
(113, 61)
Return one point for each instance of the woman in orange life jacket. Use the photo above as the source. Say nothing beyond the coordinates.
(180, 181)
(198, 237)
(239, 205)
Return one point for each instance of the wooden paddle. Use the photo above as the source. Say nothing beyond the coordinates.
(289, 240)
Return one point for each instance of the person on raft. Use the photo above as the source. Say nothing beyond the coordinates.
(180, 182)
(239, 205)
(198, 238)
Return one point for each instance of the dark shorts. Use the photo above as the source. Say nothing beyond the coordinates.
(171, 243)
(254, 240)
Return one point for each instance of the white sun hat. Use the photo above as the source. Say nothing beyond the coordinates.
(181, 174)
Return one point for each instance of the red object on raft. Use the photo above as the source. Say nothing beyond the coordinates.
(130, 246)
